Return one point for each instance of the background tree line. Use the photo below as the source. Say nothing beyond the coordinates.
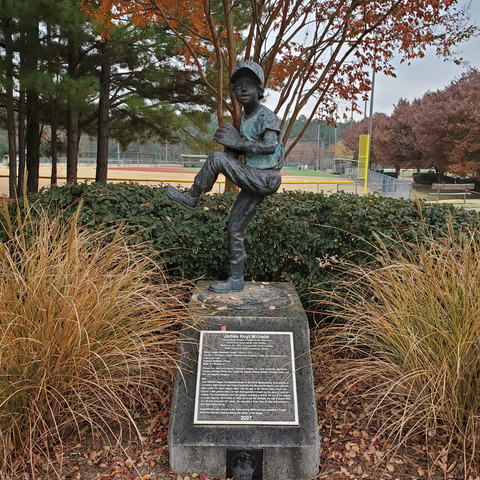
(166, 64)
(441, 130)
(318, 139)
(316, 54)
(59, 79)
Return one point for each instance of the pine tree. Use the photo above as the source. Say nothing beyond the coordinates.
(7, 27)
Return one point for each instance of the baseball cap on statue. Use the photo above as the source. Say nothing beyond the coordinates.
(248, 67)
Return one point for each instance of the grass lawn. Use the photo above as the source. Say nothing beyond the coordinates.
(290, 171)
(424, 192)
(308, 173)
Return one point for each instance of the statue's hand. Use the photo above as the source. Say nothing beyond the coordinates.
(228, 136)
(232, 153)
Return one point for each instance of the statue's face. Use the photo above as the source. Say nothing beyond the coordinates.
(246, 91)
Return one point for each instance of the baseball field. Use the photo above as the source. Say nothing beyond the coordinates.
(177, 175)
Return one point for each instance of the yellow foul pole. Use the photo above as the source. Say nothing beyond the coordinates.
(363, 157)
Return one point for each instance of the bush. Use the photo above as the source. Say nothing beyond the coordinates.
(412, 327)
(86, 323)
(3, 149)
(295, 236)
(427, 178)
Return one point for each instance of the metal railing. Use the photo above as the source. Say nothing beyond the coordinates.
(284, 182)
(381, 184)
(320, 182)
(220, 182)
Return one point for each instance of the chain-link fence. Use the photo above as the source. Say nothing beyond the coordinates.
(381, 184)
(124, 160)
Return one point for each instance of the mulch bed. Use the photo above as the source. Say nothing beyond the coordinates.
(351, 446)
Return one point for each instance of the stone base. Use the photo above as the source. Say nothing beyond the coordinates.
(289, 452)
(255, 296)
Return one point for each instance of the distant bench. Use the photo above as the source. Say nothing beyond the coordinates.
(453, 189)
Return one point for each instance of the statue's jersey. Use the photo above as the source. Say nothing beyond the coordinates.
(252, 129)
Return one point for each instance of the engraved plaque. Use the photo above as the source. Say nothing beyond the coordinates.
(246, 378)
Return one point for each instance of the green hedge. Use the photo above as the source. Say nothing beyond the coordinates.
(429, 178)
(425, 178)
(295, 236)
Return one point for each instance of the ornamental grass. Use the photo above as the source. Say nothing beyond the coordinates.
(408, 326)
(87, 326)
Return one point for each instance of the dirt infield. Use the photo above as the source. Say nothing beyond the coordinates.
(171, 169)
(172, 175)
(166, 169)
(159, 170)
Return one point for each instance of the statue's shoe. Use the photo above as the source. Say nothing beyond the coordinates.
(231, 285)
(183, 198)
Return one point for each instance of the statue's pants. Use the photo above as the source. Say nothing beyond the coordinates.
(255, 184)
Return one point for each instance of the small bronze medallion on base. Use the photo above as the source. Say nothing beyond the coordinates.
(245, 464)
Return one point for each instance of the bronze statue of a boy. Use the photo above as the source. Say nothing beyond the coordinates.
(260, 142)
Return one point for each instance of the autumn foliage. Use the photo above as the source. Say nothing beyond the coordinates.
(319, 52)
(447, 126)
(439, 130)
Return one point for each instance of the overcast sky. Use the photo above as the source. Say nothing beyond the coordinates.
(424, 74)
(428, 73)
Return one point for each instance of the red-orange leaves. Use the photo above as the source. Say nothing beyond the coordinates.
(321, 50)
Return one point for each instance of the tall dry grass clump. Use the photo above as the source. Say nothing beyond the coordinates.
(86, 324)
(408, 326)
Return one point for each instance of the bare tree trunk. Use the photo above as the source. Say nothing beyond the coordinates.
(73, 140)
(33, 141)
(53, 178)
(12, 144)
(32, 107)
(33, 112)
(21, 117)
(103, 117)
(53, 113)
(440, 175)
(21, 141)
(73, 129)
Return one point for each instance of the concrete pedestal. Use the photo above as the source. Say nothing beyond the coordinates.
(289, 452)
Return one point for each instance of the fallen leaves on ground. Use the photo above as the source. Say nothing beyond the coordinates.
(352, 445)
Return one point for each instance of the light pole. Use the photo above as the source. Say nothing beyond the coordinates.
(367, 165)
(371, 111)
(321, 144)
